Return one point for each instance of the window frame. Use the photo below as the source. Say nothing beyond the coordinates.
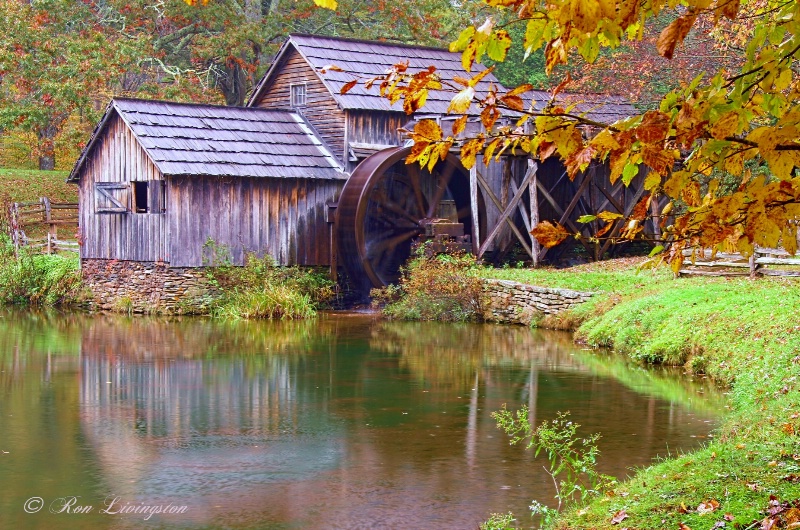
(298, 95)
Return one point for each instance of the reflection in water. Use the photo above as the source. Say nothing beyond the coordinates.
(342, 422)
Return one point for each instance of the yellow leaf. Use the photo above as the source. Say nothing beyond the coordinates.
(470, 150)
(549, 235)
(604, 141)
(609, 216)
(585, 14)
(327, 4)
(618, 162)
(428, 130)
(727, 125)
(461, 101)
(652, 180)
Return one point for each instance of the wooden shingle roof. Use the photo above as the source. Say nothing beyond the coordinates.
(366, 59)
(194, 140)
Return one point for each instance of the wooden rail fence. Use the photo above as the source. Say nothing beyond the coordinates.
(37, 225)
(763, 262)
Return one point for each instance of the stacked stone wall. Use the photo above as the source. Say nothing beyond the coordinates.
(511, 302)
(146, 287)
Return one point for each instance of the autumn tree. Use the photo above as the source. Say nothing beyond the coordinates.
(55, 61)
(721, 124)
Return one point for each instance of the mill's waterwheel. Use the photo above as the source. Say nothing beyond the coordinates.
(387, 205)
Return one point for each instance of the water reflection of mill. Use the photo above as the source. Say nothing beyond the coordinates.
(194, 409)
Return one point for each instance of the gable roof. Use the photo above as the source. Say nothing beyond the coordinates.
(195, 140)
(367, 59)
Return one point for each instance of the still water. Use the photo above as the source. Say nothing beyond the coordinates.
(342, 422)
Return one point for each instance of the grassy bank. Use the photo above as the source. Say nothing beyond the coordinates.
(744, 334)
(21, 185)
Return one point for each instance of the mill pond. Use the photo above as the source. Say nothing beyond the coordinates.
(347, 421)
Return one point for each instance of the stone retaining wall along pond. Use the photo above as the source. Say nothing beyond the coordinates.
(512, 302)
(145, 287)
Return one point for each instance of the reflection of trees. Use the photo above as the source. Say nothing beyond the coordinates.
(452, 354)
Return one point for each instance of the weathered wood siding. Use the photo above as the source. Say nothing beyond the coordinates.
(123, 236)
(374, 127)
(284, 218)
(321, 109)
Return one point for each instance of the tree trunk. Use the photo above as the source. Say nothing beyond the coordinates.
(47, 153)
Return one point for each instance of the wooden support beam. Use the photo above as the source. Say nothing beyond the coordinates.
(473, 203)
(533, 169)
(503, 217)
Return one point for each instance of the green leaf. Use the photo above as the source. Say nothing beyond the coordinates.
(586, 218)
(658, 249)
(629, 171)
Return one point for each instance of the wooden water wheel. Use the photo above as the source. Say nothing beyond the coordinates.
(387, 205)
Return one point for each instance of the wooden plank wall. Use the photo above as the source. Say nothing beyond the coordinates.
(373, 127)
(321, 110)
(124, 236)
(284, 218)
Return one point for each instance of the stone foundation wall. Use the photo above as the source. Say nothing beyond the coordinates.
(516, 303)
(146, 287)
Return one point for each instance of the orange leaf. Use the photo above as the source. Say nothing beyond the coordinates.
(562, 85)
(554, 54)
(459, 125)
(520, 89)
(347, 86)
(579, 160)
(674, 34)
(513, 102)
(489, 116)
(660, 160)
(640, 210)
(549, 235)
(728, 8)
(654, 127)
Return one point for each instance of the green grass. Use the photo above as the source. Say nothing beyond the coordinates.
(21, 185)
(743, 334)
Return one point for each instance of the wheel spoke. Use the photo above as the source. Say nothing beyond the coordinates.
(381, 199)
(441, 187)
(414, 175)
(390, 243)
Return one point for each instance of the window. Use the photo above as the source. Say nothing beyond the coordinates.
(149, 196)
(140, 197)
(298, 94)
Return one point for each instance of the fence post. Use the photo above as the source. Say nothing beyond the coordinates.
(753, 266)
(52, 229)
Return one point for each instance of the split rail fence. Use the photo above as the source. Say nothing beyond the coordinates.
(763, 262)
(44, 225)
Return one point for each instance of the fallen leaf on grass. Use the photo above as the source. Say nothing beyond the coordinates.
(728, 517)
(619, 517)
(707, 506)
(684, 526)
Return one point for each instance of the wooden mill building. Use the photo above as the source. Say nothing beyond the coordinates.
(305, 174)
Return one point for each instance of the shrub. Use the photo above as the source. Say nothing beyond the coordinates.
(28, 278)
(262, 289)
(444, 287)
